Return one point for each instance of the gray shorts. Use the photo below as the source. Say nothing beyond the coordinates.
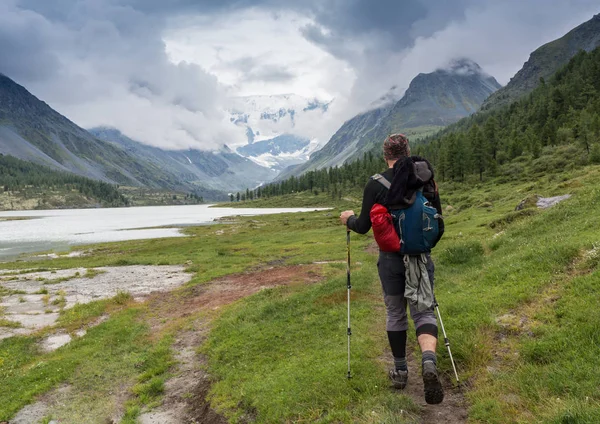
(391, 274)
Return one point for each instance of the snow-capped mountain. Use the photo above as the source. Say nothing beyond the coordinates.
(280, 152)
(271, 125)
(267, 117)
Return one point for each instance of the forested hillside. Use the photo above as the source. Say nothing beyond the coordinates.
(25, 180)
(554, 128)
(564, 111)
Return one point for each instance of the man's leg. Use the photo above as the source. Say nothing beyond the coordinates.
(396, 326)
(427, 333)
(426, 326)
(391, 274)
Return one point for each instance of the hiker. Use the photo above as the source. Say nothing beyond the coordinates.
(407, 174)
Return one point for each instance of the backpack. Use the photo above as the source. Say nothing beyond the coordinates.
(411, 230)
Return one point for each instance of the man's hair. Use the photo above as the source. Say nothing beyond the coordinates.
(396, 146)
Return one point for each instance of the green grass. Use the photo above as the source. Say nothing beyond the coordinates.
(491, 262)
(97, 367)
(9, 324)
(280, 355)
(287, 344)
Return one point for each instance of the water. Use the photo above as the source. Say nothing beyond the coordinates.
(58, 230)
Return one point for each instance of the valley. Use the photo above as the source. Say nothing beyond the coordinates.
(182, 311)
(497, 273)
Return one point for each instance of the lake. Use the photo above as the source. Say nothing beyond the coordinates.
(58, 230)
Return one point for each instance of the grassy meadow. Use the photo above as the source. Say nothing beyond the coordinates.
(519, 293)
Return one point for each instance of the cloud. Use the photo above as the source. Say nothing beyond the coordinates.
(27, 43)
(104, 63)
(162, 71)
(270, 73)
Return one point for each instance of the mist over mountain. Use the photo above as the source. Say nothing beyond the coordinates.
(431, 101)
(31, 130)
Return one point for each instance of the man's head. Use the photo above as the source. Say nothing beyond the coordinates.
(395, 147)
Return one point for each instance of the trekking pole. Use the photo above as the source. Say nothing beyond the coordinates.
(349, 286)
(446, 341)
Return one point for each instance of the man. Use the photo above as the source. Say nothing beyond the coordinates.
(401, 173)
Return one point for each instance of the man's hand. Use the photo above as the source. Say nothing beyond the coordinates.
(345, 215)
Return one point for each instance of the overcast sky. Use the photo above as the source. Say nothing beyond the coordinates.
(162, 71)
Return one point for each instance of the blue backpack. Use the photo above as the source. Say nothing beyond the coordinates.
(417, 225)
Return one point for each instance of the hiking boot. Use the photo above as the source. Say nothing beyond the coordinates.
(434, 393)
(399, 378)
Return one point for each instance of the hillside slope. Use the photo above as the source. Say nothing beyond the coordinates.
(546, 60)
(31, 130)
(213, 171)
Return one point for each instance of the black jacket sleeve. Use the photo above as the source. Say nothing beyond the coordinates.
(362, 224)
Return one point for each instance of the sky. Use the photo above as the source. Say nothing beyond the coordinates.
(164, 71)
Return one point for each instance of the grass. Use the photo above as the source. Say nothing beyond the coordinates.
(96, 367)
(519, 294)
(9, 324)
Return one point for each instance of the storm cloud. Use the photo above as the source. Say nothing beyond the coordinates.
(152, 69)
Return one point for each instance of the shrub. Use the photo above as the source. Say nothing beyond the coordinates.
(462, 253)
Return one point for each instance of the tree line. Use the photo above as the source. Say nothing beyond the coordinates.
(333, 181)
(17, 175)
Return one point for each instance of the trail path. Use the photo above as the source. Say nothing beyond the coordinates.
(185, 393)
(453, 410)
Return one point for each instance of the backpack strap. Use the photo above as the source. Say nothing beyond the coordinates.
(382, 180)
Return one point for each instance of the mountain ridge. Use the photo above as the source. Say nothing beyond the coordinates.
(431, 101)
(546, 60)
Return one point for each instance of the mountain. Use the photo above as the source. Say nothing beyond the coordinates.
(270, 123)
(431, 101)
(31, 130)
(344, 144)
(279, 152)
(269, 116)
(546, 60)
(442, 97)
(223, 170)
(555, 128)
(553, 131)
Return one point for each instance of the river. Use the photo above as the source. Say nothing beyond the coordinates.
(58, 230)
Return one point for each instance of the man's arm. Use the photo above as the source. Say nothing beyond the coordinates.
(362, 223)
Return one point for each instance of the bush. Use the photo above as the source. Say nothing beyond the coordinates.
(462, 253)
(595, 154)
(511, 217)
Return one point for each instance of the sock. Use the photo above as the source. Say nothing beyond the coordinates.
(400, 364)
(397, 341)
(429, 355)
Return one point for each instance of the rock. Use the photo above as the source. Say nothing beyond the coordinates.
(546, 202)
(528, 202)
(449, 208)
(55, 341)
(486, 205)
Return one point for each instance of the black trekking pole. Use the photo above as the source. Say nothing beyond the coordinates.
(446, 341)
(349, 287)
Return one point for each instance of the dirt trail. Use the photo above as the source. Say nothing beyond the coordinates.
(453, 410)
(185, 393)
